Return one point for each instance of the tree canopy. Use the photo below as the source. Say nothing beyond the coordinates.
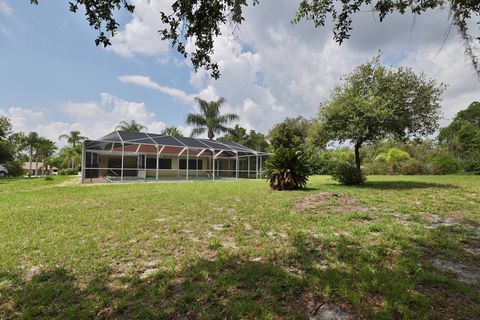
(172, 131)
(462, 137)
(290, 133)
(253, 140)
(201, 21)
(377, 102)
(132, 126)
(209, 119)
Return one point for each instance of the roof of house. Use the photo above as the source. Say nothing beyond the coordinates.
(145, 138)
(26, 166)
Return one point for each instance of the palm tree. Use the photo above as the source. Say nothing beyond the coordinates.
(73, 138)
(31, 142)
(209, 119)
(171, 131)
(70, 154)
(132, 126)
(45, 149)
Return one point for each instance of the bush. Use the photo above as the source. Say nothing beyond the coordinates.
(67, 172)
(15, 168)
(287, 169)
(445, 164)
(415, 167)
(346, 173)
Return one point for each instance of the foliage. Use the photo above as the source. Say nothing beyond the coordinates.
(346, 173)
(15, 168)
(5, 127)
(376, 102)
(68, 172)
(210, 119)
(132, 126)
(393, 158)
(462, 137)
(290, 133)
(253, 140)
(100, 14)
(172, 131)
(73, 138)
(445, 163)
(287, 169)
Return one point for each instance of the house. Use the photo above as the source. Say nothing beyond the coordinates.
(40, 171)
(133, 156)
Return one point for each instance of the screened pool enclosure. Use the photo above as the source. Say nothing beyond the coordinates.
(133, 156)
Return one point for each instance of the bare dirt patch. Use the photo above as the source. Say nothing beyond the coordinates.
(327, 311)
(461, 272)
(319, 201)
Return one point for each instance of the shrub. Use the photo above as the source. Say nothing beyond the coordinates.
(445, 164)
(414, 167)
(67, 172)
(15, 168)
(346, 173)
(287, 169)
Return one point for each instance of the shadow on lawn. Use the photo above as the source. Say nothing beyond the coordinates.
(405, 185)
(230, 288)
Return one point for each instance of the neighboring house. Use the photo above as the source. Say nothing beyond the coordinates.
(41, 170)
(126, 156)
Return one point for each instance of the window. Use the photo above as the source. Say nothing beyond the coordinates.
(192, 164)
(162, 163)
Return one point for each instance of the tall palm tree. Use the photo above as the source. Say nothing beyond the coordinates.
(73, 138)
(45, 149)
(31, 142)
(132, 126)
(209, 119)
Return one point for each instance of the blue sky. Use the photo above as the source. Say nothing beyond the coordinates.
(54, 79)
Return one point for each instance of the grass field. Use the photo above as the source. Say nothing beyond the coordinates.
(397, 248)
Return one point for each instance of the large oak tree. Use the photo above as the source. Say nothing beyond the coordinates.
(377, 102)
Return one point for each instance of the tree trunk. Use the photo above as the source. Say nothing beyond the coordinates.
(36, 167)
(30, 156)
(358, 161)
(211, 135)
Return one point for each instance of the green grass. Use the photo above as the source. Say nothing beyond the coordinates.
(235, 249)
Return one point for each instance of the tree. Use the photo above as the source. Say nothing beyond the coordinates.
(376, 102)
(290, 133)
(45, 148)
(462, 137)
(73, 138)
(253, 140)
(209, 119)
(5, 127)
(172, 131)
(132, 126)
(201, 21)
(31, 142)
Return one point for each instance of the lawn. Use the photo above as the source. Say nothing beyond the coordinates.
(397, 248)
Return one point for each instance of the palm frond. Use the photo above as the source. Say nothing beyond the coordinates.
(196, 119)
(198, 131)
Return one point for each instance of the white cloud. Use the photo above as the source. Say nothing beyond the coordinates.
(272, 69)
(140, 35)
(94, 119)
(148, 83)
(5, 8)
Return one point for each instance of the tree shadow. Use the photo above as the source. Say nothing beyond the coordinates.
(405, 185)
(363, 280)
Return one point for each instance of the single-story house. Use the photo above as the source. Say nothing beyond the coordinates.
(127, 156)
(41, 169)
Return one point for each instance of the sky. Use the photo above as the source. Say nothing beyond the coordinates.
(53, 79)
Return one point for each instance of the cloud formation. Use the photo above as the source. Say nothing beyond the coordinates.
(146, 82)
(96, 118)
(5, 8)
(272, 69)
